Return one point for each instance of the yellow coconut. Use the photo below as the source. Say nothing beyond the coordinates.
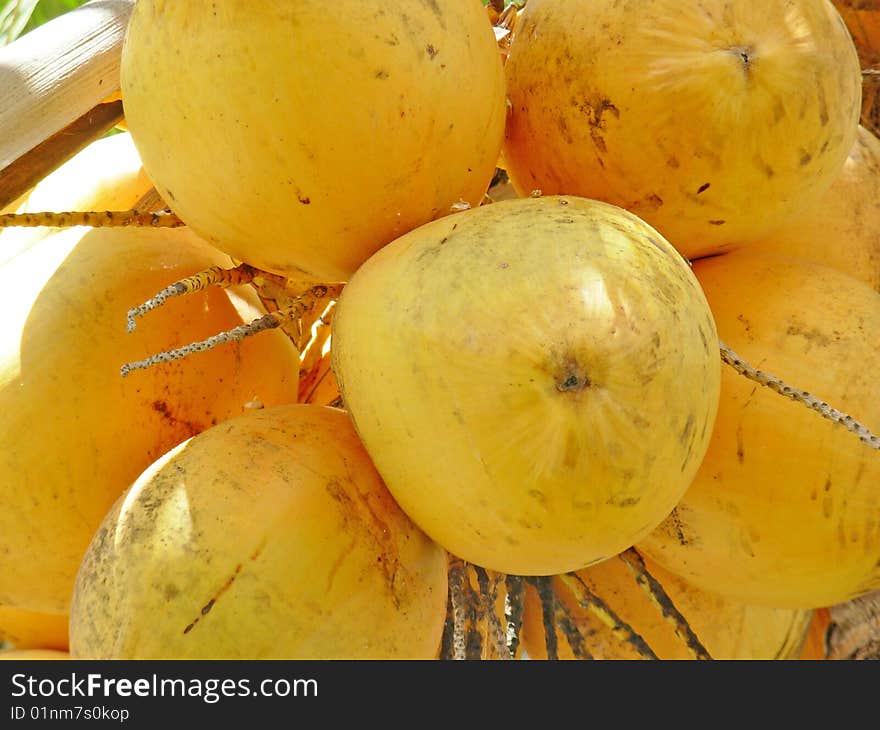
(19, 654)
(302, 137)
(726, 629)
(105, 175)
(862, 18)
(74, 432)
(842, 229)
(33, 630)
(535, 379)
(713, 121)
(784, 509)
(268, 536)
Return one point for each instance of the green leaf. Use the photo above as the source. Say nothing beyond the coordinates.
(14, 16)
(46, 10)
(17, 17)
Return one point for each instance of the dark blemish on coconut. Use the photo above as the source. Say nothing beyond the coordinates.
(657, 244)
(573, 378)
(764, 167)
(435, 7)
(745, 54)
(823, 107)
(210, 604)
(652, 202)
(595, 112)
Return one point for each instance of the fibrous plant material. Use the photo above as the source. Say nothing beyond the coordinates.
(297, 305)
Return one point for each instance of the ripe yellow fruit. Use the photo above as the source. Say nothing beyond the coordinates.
(862, 18)
(713, 121)
(727, 629)
(842, 229)
(535, 379)
(33, 630)
(269, 536)
(74, 432)
(302, 137)
(784, 509)
(105, 175)
(17, 654)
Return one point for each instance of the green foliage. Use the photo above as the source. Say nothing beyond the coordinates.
(48, 9)
(20, 16)
(14, 15)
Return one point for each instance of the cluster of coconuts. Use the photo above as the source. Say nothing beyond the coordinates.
(533, 385)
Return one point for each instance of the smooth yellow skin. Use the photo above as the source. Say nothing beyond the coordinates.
(301, 137)
(842, 229)
(785, 510)
(105, 175)
(17, 654)
(33, 630)
(111, 166)
(535, 379)
(269, 536)
(75, 433)
(727, 629)
(713, 121)
(14, 205)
